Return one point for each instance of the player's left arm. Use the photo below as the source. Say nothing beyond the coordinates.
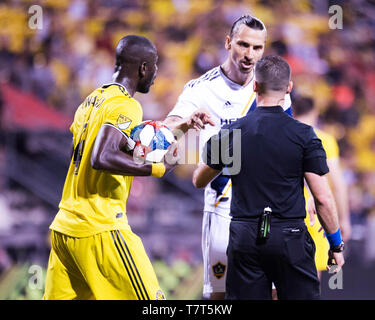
(188, 113)
(197, 121)
(203, 175)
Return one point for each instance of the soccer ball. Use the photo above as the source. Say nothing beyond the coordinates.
(154, 137)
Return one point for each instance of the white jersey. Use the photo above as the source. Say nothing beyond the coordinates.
(226, 101)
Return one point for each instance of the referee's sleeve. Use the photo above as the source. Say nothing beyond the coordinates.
(314, 156)
(211, 153)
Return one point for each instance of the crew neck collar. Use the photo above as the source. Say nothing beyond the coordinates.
(270, 109)
(116, 84)
(231, 83)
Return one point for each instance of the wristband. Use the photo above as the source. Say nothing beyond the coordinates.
(158, 170)
(334, 239)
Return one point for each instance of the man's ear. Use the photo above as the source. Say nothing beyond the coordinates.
(142, 69)
(259, 88)
(116, 72)
(255, 86)
(228, 44)
(290, 87)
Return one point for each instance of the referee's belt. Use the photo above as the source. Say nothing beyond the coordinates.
(274, 217)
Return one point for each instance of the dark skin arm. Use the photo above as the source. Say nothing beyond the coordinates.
(107, 155)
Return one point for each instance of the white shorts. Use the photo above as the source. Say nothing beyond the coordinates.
(215, 238)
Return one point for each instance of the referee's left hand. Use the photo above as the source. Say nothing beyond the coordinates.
(335, 259)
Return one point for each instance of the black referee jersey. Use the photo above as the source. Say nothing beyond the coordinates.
(275, 152)
(267, 153)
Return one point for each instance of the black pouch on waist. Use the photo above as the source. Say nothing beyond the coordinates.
(264, 225)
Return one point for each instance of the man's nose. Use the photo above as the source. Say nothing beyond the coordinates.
(250, 53)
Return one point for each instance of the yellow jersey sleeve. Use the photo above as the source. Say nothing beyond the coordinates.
(123, 114)
(77, 122)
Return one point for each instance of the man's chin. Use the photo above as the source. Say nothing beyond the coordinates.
(246, 70)
(144, 90)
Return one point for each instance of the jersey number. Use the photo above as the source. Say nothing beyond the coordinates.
(78, 151)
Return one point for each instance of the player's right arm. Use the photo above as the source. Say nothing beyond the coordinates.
(108, 155)
(119, 116)
(188, 113)
(197, 120)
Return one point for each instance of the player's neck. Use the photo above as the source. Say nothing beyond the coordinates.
(235, 75)
(129, 85)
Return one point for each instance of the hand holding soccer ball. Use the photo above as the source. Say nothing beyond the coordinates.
(154, 142)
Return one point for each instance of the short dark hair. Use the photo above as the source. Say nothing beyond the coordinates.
(133, 48)
(302, 105)
(272, 73)
(250, 21)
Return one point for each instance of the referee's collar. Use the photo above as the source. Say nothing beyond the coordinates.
(271, 109)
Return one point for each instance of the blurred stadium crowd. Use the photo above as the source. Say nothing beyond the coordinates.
(73, 53)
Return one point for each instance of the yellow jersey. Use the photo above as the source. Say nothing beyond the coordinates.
(94, 201)
(329, 144)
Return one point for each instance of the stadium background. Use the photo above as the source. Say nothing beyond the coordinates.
(45, 74)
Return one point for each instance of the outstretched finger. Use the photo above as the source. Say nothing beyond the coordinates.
(207, 119)
(198, 122)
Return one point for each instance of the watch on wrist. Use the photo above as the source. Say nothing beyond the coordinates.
(338, 248)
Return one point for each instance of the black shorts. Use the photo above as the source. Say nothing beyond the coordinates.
(286, 258)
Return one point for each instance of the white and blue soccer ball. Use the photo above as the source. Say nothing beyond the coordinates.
(155, 137)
